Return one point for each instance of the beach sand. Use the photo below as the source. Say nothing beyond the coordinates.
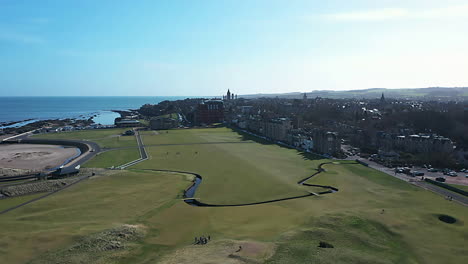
(34, 157)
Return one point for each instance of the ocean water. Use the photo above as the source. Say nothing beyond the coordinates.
(41, 108)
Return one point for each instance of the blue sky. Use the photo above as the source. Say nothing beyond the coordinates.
(103, 47)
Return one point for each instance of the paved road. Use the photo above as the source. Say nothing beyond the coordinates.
(434, 188)
(143, 154)
(141, 146)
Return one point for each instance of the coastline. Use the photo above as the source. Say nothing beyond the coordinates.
(19, 109)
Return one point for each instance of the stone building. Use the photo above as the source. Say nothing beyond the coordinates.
(163, 123)
(277, 129)
(209, 112)
(326, 142)
(417, 143)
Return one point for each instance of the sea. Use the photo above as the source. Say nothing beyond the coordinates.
(15, 109)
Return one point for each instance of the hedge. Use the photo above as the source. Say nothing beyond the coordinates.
(448, 187)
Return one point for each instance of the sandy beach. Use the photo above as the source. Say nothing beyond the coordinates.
(34, 157)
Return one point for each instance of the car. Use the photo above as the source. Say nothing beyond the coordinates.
(432, 170)
(452, 174)
(418, 173)
(440, 179)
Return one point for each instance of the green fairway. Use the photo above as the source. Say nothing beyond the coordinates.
(10, 202)
(106, 138)
(233, 172)
(185, 136)
(373, 218)
(113, 158)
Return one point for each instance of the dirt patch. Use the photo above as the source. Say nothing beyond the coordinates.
(224, 251)
(34, 156)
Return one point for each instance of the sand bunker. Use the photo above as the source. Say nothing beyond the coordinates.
(34, 157)
(224, 251)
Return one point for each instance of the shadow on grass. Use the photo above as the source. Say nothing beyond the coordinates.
(248, 137)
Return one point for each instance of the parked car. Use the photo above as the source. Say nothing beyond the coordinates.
(432, 170)
(418, 173)
(440, 179)
(452, 174)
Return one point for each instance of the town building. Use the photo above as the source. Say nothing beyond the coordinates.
(416, 143)
(229, 96)
(326, 142)
(119, 122)
(162, 122)
(277, 129)
(209, 112)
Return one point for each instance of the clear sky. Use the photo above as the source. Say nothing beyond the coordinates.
(196, 47)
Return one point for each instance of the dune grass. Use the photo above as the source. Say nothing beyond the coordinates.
(373, 218)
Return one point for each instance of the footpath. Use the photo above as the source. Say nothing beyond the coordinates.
(143, 153)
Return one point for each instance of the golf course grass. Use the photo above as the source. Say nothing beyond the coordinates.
(113, 158)
(373, 218)
(106, 138)
(14, 201)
